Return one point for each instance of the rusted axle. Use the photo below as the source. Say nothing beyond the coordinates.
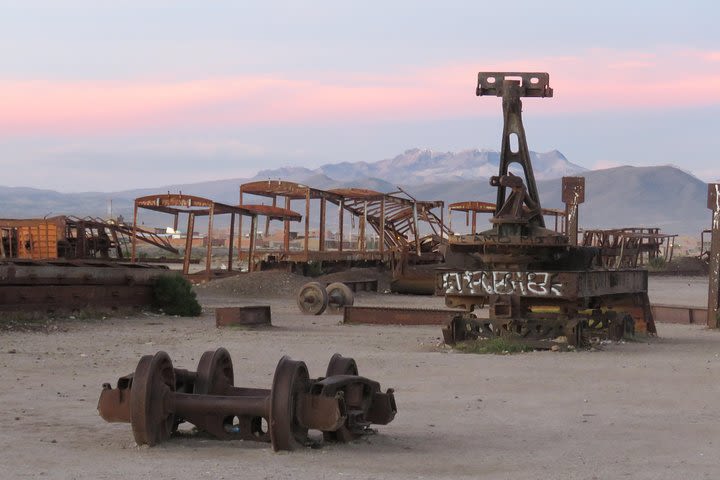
(313, 298)
(157, 398)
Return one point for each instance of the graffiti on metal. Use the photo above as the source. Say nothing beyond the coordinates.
(484, 282)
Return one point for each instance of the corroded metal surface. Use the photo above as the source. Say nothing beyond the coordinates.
(405, 229)
(69, 237)
(339, 297)
(713, 318)
(193, 206)
(472, 208)
(630, 246)
(553, 285)
(397, 316)
(538, 283)
(253, 315)
(157, 398)
(678, 314)
(312, 299)
(573, 194)
(61, 285)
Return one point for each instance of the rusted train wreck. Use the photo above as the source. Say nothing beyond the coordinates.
(538, 284)
(353, 226)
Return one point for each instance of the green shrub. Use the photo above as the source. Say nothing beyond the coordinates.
(496, 345)
(313, 269)
(173, 295)
(657, 263)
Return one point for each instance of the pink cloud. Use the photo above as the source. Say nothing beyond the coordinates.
(597, 80)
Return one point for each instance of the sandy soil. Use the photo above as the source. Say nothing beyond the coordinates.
(641, 410)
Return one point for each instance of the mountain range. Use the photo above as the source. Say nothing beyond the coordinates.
(662, 196)
(421, 167)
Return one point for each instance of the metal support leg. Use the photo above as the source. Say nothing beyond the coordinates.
(713, 320)
(573, 194)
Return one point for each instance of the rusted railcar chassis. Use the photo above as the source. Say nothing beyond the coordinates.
(157, 398)
(544, 305)
(537, 283)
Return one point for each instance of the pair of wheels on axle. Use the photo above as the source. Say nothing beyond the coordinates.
(314, 298)
(151, 397)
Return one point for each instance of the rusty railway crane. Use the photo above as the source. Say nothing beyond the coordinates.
(537, 283)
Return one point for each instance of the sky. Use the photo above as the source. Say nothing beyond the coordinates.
(113, 95)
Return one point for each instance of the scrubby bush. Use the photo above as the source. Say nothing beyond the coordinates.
(313, 269)
(657, 263)
(173, 295)
(496, 345)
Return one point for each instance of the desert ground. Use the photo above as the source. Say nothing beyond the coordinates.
(640, 410)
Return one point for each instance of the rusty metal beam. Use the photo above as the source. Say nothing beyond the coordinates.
(341, 225)
(251, 246)
(61, 285)
(382, 226)
(713, 318)
(397, 316)
(70, 297)
(188, 243)
(286, 228)
(307, 221)
(321, 239)
(250, 315)
(209, 238)
(134, 236)
(511, 86)
(573, 194)
(678, 314)
(230, 242)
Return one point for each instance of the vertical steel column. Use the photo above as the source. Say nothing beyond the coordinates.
(415, 227)
(81, 251)
(286, 229)
(713, 320)
(267, 219)
(307, 223)
(341, 224)
(251, 246)
(240, 229)
(321, 240)
(363, 222)
(382, 225)
(573, 194)
(239, 239)
(230, 241)
(188, 242)
(208, 258)
(442, 222)
(134, 232)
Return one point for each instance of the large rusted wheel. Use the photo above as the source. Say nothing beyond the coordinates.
(339, 296)
(153, 381)
(312, 298)
(214, 373)
(340, 365)
(291, 379)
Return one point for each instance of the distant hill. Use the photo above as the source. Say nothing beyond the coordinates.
(419, 167)
(664, 196)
